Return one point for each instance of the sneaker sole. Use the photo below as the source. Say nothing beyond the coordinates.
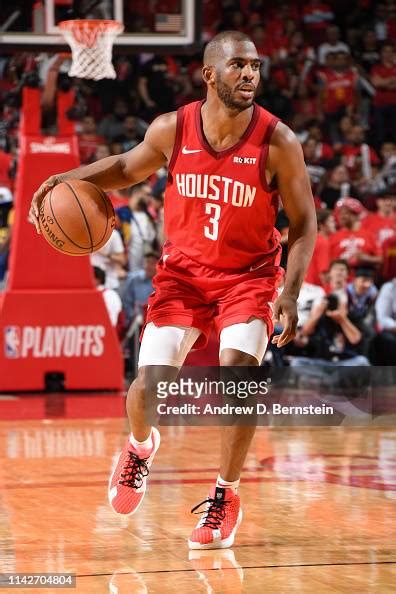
(222, 544)
(157, 440)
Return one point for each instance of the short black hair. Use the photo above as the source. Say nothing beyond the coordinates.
(99, 274)
(366, 271)
(152, 254)
(215, 45)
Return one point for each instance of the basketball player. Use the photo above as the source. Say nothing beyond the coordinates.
(227, 159)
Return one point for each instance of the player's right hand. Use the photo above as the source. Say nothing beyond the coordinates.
(285, 313)
(38, 197)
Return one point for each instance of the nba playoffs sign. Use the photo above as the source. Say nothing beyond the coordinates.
(52, 318)
(67, 332)
(53, 341)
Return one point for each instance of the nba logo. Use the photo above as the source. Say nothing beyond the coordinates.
(12, 341)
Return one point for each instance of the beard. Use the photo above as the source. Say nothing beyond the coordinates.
(227, 95)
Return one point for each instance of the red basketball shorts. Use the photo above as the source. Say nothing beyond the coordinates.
(190, 294)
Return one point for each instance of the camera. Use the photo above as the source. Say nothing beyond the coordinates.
(332, 302)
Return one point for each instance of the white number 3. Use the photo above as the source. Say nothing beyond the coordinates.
(213, 231)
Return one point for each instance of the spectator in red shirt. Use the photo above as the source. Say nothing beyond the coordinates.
(324, 151)
(88, 139)
(338, 95)
(353, 242)
(321, 256)
(383, 77)
(280, 18)
(389, 259)
(305, 102)
(263, 43)
(316, 17)
(6, 161)
(382, 223)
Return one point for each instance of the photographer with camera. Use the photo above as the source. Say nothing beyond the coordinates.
(333, 340)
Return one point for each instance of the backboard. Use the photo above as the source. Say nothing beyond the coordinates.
(149, 25)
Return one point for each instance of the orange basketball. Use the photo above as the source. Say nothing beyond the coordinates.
(76, 218)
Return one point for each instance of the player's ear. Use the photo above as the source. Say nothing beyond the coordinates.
(208, 74)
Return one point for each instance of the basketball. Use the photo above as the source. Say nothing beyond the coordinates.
(76, 218)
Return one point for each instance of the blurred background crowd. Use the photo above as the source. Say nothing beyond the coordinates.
(329, 72)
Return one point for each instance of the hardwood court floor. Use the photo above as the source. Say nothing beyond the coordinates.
(319, 506)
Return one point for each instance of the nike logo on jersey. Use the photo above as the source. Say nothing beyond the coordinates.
(187, 151)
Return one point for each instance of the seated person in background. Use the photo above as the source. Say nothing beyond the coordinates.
(137, 226)
(324, 151)
(337, 278)
(88, 139)
(384, 346)
(111, 298)
(102, 150)
(7, 212)
(136, 291)
(333, 43)
(315, 166)
(111, 258)
(389, 258)
(358, 156)
(382, 223)
(337, 186)
(320, 260)
(138, 287)
(332, 338)
(353, 242)
(362, 293)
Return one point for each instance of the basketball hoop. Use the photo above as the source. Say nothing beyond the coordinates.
(91, 42)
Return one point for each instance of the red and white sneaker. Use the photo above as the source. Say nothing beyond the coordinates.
(219, 523)
(127, 484)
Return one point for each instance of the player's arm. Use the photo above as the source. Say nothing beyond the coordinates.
(286, 162)
(119, 171)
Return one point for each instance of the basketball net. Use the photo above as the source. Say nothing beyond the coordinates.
(91, 43)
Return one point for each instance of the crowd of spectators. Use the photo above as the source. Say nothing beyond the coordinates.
(329, 72)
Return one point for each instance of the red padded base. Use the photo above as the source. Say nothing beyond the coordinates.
(53, 331)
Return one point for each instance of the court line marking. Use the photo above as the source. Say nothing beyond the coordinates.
(82, 575)
(330, 479)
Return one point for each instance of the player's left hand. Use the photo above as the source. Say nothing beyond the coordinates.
(285, 313)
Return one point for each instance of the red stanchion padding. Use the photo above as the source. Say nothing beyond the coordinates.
(30, 123)
(65, 100)
(35, 264)
(52, 319)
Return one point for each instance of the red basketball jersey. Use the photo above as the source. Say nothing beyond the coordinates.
(219, 209)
